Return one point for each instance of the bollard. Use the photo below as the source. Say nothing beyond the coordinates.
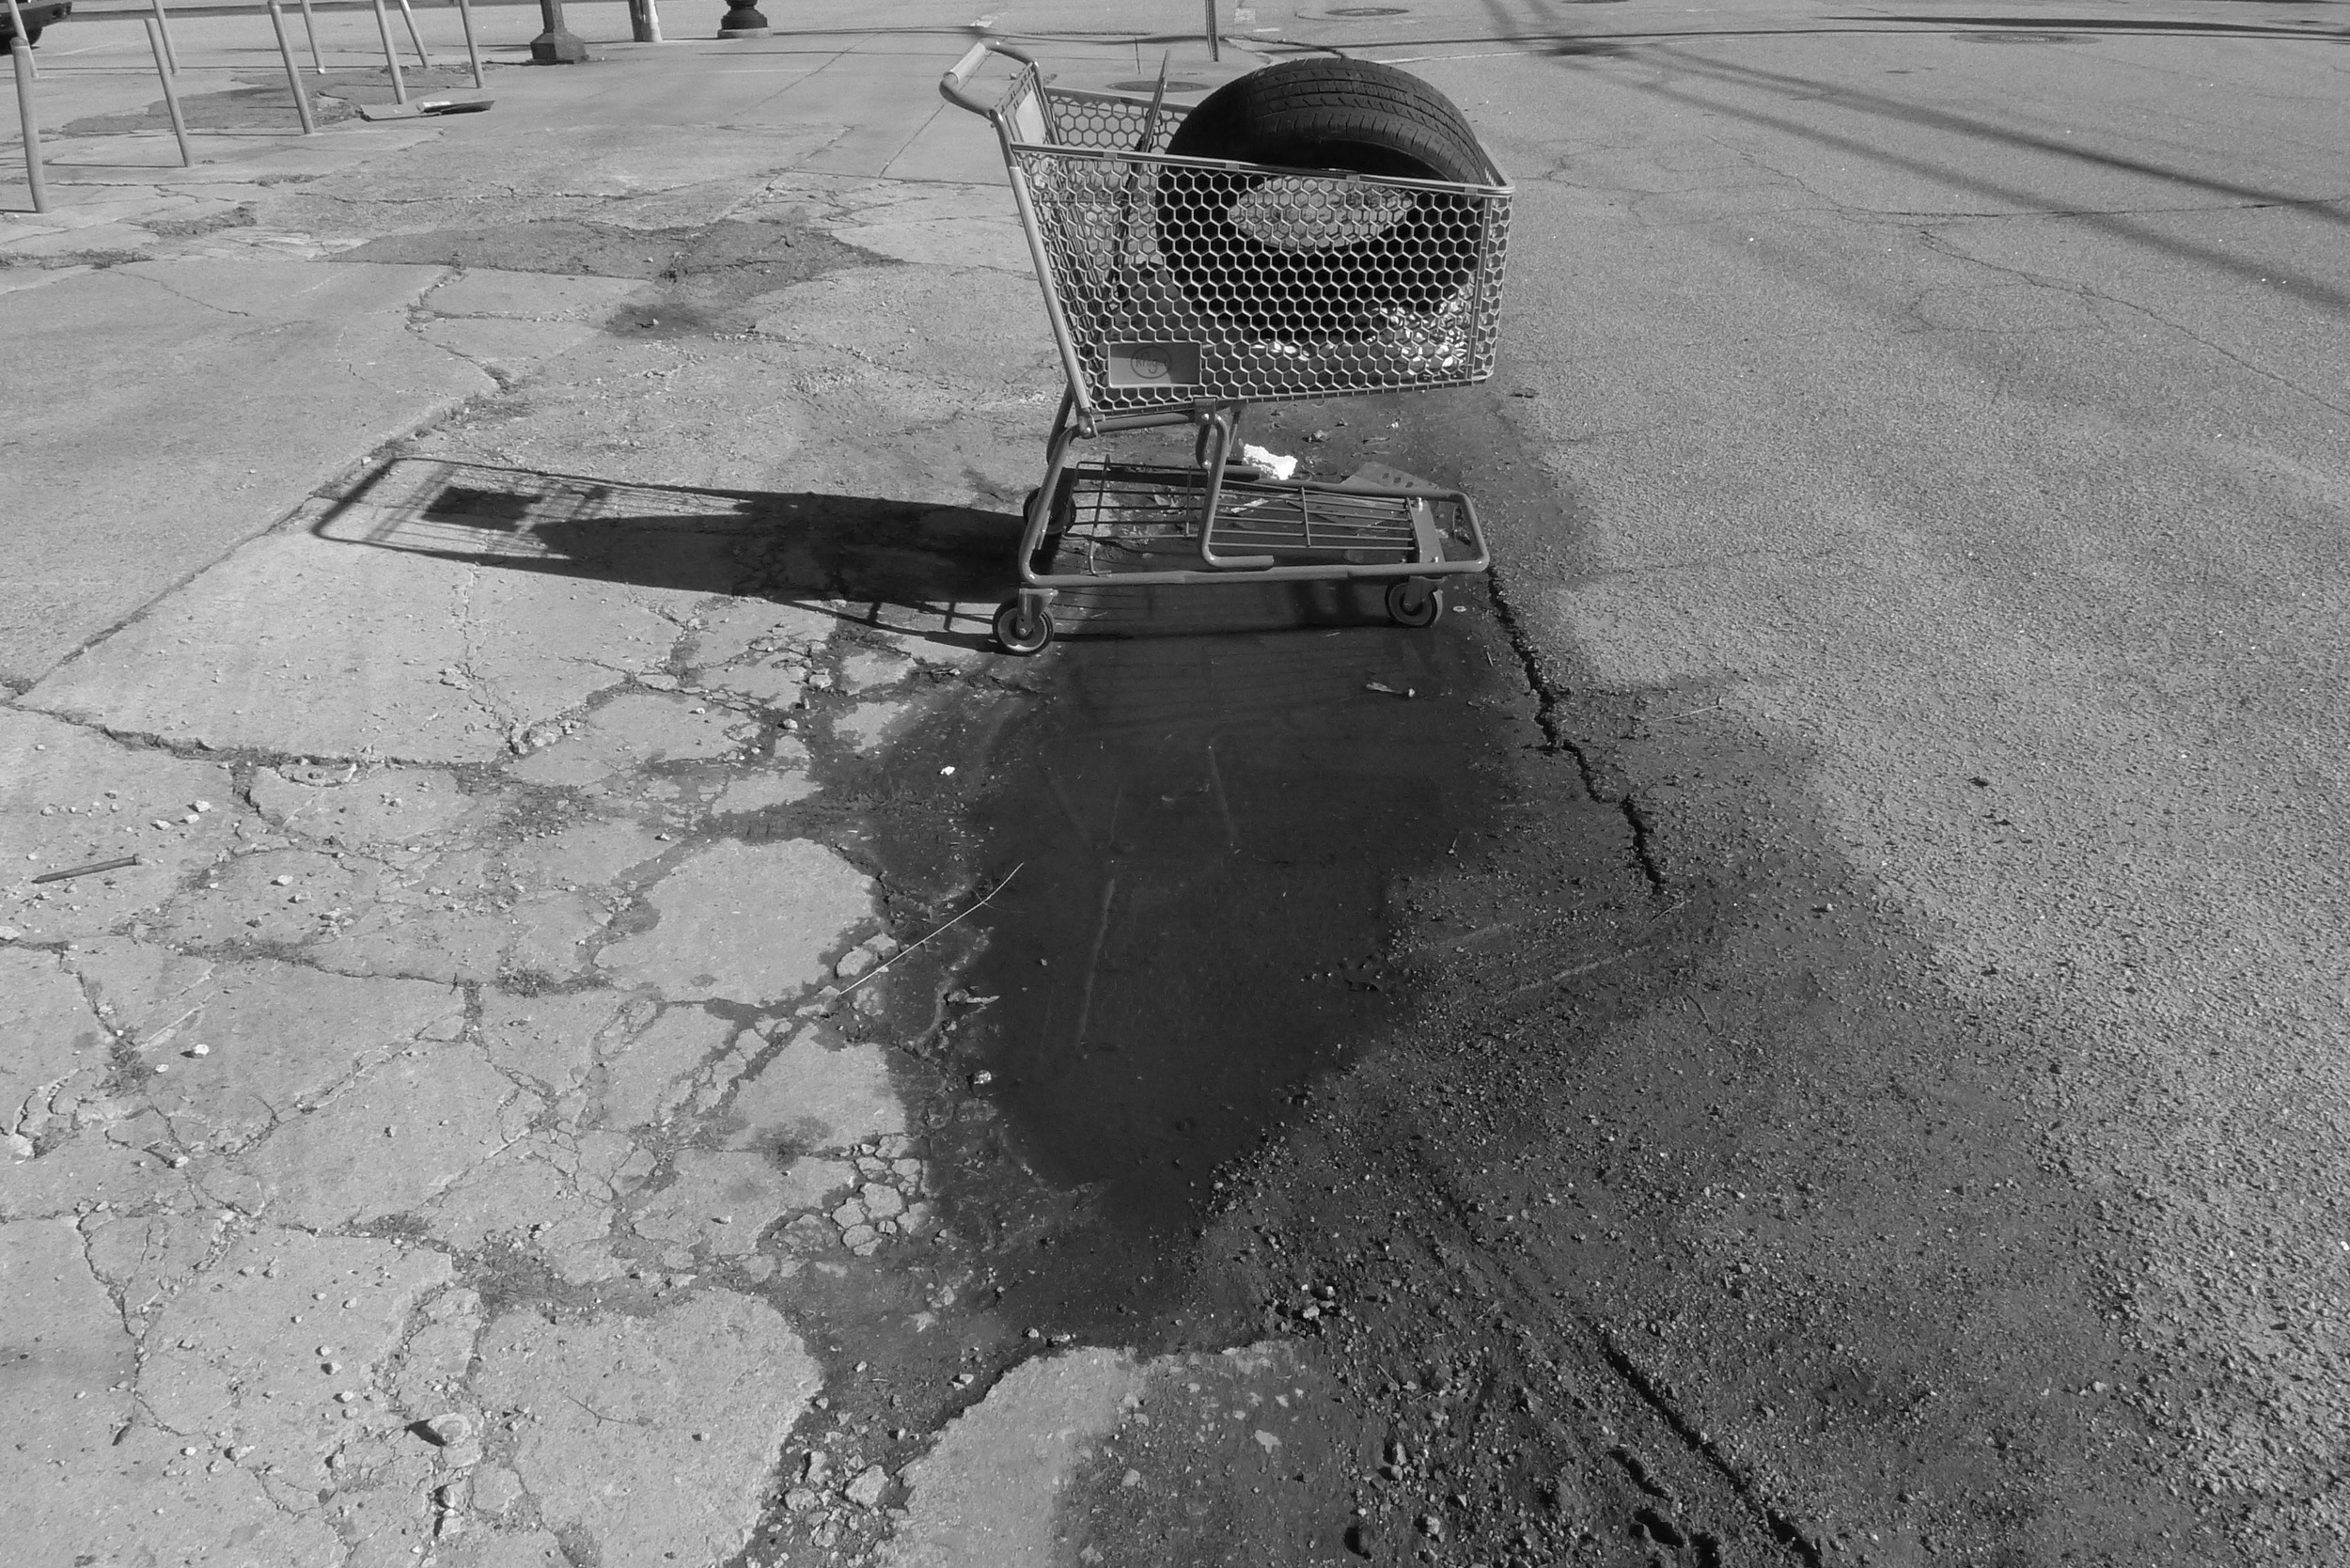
(472, 51)
(171, 94)
(19, 55)
(391, 60)
(1215, 46)
(293, 72)
(558, 44)
(743, 22)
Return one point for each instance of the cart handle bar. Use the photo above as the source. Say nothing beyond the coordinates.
(951, 84)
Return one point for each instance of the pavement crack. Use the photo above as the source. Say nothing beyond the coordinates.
(1943, 247)
(1550, 696)
(182, 293)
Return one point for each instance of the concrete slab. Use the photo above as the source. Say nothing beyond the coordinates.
(637, 730)
(357, 807)
(721, 1200)
(815, 1095)
(507, 347)
(74, 798)
(725, 931)
(649, 1436)
(242, 1354)
(979, 327)
(985, 1492)
(644, 1061)
(324, 649)
(386, 1144)
(530, 296)
(281, 1038)
(52, 1052)
(321, 363)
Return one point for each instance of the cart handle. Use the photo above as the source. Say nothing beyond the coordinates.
(950, 85)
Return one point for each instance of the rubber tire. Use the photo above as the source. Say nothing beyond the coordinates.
(1356, 116)
(1015, 637)
(1414, 604)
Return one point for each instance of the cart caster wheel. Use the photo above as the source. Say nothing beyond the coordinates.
(1019, 636)
(1409, 603)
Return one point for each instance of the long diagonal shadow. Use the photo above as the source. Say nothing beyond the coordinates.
(1944, 119)
(2308, 290)
(935, 571)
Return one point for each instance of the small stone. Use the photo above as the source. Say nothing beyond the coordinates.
(203, 806)
(345, 1397)
(799, 1499)
(10, 933)
(449, 1428)
(281, 881)
(866, 1491)
(854, 963)
(199, 1050)
(856, 1236)
(813, 1466)
(187, 1454)
(1432, 1527)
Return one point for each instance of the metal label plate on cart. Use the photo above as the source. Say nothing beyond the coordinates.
(1152, 364)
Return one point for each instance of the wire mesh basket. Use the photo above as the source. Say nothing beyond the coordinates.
(1176, 280)
(1182, 289)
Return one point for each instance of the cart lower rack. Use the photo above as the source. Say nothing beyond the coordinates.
(1180, 290)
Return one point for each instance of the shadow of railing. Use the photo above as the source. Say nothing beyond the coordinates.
(929, 572)
(934, 571)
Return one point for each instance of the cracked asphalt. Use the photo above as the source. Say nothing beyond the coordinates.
(1810, 1036)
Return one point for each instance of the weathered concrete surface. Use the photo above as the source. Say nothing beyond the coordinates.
(460, 1051)
(84, 505)
(726, 927)
(654, 1435)
(75, 799)
(317, 649)
(986, 1493)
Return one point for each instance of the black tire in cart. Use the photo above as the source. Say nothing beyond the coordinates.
(1283, 262)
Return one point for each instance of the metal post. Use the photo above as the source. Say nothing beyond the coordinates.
(743, 20)
(391, 60)
(310, 25)
(171, 94)
(424, 61)
(558, 44)
(652, 24)
(473, 51)
(1215, 46)
(19, 55)
(293, 72)
(162, 23)
(16, 20)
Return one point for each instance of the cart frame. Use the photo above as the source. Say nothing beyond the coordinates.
(1235, 522)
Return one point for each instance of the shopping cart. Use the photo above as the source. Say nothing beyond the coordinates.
(1180, 290)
